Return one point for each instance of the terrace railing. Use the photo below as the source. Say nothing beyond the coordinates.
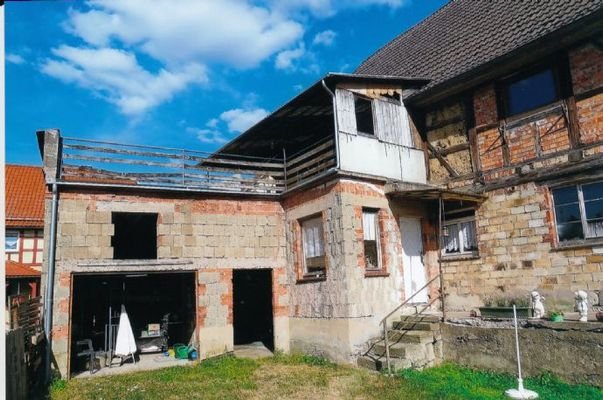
(115, 164)
(97, 163)
(310, 163)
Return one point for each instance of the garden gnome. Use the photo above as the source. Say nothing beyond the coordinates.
(582, 305)
(537, 305)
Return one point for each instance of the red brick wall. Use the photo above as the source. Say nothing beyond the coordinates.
(586, 65)
(484, 106)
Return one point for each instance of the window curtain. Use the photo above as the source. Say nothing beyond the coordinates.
(469, 235)
(369, 224)
(313, 238)
(451, 242)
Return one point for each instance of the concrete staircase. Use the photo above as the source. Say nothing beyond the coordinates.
(414, 342)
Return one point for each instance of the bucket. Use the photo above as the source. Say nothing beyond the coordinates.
(192, 354)
(181, 351)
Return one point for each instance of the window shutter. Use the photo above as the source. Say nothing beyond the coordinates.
(346, 117)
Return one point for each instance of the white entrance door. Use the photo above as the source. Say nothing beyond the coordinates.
(412, 259)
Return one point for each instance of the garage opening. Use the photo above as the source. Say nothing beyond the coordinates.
(252, 308)
(160, 306)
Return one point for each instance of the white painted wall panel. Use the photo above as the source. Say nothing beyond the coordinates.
(366, 155)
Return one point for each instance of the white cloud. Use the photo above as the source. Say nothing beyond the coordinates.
(327, 8)
(208, 136)
(233, 121)
(239, 120)
(325, 38)
(233, 32)
(184, 39)
(14, 58)
(117, 76)
(286, 59)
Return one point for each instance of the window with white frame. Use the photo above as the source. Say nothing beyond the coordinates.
(314, 249)
(370, 228)
(459, 236)
(11, 241)
(579, 211)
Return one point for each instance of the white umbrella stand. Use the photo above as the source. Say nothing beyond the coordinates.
(520, 392)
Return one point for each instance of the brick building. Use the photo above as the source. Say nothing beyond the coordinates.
(24, 244)
(465, 147)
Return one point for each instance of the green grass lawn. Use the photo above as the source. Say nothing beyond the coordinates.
(306, 377)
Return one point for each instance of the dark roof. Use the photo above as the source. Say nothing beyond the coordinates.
(465, 34)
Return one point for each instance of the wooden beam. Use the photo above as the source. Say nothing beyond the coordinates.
(442, 160)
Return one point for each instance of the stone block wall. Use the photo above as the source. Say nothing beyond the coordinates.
(335, 316)
(211, 236)
(518, 253)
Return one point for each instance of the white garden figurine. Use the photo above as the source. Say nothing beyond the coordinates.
(537, 305)
(582, 305)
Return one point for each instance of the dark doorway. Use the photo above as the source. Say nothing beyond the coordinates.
(252, 308)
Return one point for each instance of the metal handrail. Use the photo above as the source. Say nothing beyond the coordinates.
(384, 320)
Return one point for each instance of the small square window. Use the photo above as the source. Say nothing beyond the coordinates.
(530, 92)
(11, 242)
(135, 236)
(370, 228)
(459, 235)
(314, 249)
(363, 108)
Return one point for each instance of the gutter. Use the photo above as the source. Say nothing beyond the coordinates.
(335, 124)
(49, 294)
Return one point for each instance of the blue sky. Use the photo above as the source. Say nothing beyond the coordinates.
(186, 73)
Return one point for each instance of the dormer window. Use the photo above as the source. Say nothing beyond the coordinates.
(363, 108)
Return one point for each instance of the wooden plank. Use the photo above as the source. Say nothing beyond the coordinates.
(310, 172)
(322, 157)
(452, 149)
(573, 123)
(310, 153)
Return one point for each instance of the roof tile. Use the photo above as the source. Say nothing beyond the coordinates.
(25, 192)
(465, 34)
(15, 269)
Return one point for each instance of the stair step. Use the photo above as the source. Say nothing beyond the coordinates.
(396, 336)
(370, 363)
(380, 364)
(409, 351)
(428, 318)
(415, 326)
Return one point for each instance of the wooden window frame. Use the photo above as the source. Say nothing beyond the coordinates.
(462, 252)
(322, 272)
(583, 219)
(505, 84)
(372, 107)
(380, 266)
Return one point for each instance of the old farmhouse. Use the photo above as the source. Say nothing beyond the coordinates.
(461, 160)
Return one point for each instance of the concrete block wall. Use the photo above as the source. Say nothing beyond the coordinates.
(517, 254)
(211, 236)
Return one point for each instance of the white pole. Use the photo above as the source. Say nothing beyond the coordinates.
(519, 379)
(520, 392)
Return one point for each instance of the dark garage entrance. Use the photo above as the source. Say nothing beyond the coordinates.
(252, 307)
(166, 299)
